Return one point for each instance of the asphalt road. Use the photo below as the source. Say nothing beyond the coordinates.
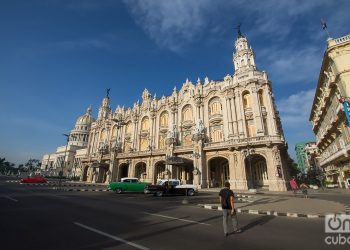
(43, 218)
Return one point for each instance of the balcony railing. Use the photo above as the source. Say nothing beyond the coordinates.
(244, 141)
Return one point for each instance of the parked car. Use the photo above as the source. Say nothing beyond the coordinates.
(171, 187)
(127, 185)
(34, 179)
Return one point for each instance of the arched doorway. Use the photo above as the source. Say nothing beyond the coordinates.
(85, 172)
(102, 173)
(140, 170)
(123, 171)
(184, 171)
(159, 171)
(218, 172)
(256, 171)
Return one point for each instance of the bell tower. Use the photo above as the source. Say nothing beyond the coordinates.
(244, 58)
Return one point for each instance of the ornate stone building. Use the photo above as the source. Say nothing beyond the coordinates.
(327, 114)
(206, 133)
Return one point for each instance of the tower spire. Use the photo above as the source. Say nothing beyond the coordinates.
(239, 33)
(244, 57)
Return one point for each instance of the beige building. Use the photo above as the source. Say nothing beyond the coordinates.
(327, 114)
(205, 133)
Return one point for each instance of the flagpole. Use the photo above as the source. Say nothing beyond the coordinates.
(324, 27)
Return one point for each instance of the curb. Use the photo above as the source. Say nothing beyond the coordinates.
(272, 213)
(347, 210)
(56, 184)
(83, 190)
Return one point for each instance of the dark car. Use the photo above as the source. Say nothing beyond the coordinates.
(170, 187)
(34, 179)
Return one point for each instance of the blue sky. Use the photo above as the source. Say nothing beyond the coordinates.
(59, 56)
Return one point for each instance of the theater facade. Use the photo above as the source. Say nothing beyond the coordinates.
(205, 133)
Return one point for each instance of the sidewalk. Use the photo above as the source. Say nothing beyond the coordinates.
(280, 204)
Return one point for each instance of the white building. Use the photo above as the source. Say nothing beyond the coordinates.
(68, 157)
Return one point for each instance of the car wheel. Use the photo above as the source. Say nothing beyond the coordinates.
(190, 192)
(118, 190)
(159, 193)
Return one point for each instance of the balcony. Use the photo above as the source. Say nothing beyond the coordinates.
(260, 140)
(215, 118)
(187, 124)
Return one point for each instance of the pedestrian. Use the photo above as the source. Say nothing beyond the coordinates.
(293, 185)
(304, 188)
(228, 210)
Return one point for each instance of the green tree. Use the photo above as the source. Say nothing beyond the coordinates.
(6, 167)
(32, 164)
(294, 170)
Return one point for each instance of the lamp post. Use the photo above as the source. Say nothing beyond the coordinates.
(247, 153)
(75, 169)
(63, 163)
(119, 123)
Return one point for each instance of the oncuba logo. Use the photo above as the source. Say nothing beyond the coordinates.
(337, 223)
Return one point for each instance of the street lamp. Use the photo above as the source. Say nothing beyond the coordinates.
(247, 153)
(119, 123)
(75, 169)
(63, 163)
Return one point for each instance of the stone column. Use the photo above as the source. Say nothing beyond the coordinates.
(257, 113)
(241, 176)
(240, 114)
(276, 183)
(234, 117)
(271, 116)
(233, 170)
(228, 115)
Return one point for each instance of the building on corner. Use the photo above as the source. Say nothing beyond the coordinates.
(327, 114)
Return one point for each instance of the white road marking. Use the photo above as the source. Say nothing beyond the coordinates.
(111, 236)
(169, 217)
(12, 199)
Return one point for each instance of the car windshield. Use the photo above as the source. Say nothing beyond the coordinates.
(159, 182)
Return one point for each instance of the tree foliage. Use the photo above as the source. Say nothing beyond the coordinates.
(294, 170)
(5, 166)
(32, 164)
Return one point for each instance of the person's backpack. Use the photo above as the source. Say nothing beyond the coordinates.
(226, 200)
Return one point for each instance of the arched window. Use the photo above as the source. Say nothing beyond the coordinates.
(128, 129)
(145, 124)
(215, 106)
(246, 100)
(216, 135)
(164, 119)
(143, 144)
(187, 114)
(187, 140)
(103, 135)
(251, 128)
(261, 98)
(114, 132)
(162, 138)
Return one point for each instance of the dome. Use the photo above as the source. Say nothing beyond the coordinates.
(85, 119)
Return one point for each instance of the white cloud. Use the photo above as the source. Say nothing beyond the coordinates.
(295, 110)
(294, 113)
(170, 24)
(174, 23)
(293, 64)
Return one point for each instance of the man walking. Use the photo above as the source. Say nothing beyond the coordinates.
(228, 210)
